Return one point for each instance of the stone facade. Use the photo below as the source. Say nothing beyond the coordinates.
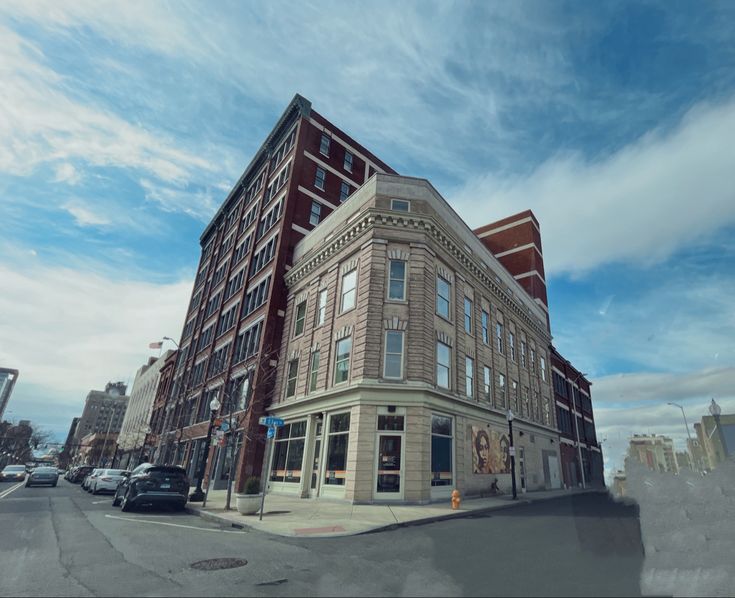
(400, 267)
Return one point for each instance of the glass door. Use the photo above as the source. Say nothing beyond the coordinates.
(389, 466)
(522, 467)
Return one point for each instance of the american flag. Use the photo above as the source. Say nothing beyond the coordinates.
(156, 345)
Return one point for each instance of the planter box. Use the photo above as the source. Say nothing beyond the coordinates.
(247, 504)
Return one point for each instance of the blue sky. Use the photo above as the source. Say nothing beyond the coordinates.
(124, 125)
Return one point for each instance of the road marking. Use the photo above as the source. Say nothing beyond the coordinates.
(11, 489)
(202, 529)
(99, 502)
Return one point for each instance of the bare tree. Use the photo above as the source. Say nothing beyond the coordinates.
(39, 436)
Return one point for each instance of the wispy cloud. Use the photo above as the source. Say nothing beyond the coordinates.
(84, 216)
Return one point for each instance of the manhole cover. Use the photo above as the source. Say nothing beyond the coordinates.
(216, 564)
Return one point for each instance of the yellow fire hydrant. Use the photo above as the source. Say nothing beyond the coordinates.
(456, 500)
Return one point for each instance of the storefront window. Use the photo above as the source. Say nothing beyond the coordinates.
(338, 438)
(288, 453)
(441, 450)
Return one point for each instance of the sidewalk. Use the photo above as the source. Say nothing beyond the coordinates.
(321, 518)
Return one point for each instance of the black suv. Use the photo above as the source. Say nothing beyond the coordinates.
(150, 484)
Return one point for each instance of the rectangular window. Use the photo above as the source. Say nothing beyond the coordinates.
(400, 205)
(543, 369)
(288, 453)
(397, 280)
(316, 213)
(501, 389)
(533, 360)
(486, 382)
(443, 294)
(344, 191)
(349, 292)
(443, 353)
(468, 315)
(348, 162)
(512, 344)
(324, 144)
(320, 178)
(313, 371)
(484, 323)
(393, 363)
(300, 318)
(469, 375)
(514, 384)
(441, 450)
(342, 366)
(293, 371)
(499, 336)
(337, 441)
(523, 353)
(321, 310)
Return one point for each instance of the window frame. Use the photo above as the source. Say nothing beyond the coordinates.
(469, 307)
(292, 376)
(394, 203)
(469, 376)
(338, 361)
(328, 139)
(299, 320)
(322, 179)
(321, 308)
(386, 354)
(402, 280)
(448, 366)
(317, 213)
(343, 294)
(447, 299)
(314, 369)
(346, 161)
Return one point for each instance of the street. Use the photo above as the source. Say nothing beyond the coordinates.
(63, 541)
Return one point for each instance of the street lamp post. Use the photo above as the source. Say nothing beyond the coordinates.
(689, 435)
(510, 418)
(198, 494)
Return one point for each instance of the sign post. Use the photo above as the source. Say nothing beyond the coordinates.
(273, 423)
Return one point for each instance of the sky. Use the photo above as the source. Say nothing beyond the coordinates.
(124, 125)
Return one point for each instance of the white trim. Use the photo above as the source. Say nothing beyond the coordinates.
(327, 167)
(519, 248)
(530, 273)
(300, 229)
(492, 231)
(280, 170)
(257, 280)
(403, 353)
(352, 150)
(315, 197)
(562, 405)
(567, 441)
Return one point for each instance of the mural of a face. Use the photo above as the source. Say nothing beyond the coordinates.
(505, 454)
(482, 448)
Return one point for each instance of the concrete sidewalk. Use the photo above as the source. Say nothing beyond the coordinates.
(321, 518)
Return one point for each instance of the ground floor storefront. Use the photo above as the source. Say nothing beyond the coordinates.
(411, 448)
(591, 464)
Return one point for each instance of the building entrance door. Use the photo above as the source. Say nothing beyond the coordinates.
(389, 467)
(553, 463)
(522, 467)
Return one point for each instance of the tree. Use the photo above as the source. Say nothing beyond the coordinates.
(39, 436)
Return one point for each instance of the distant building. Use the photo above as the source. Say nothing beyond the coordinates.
(97, 448)
(654, 451)
(8, 378)
(103, 412)
(131, 441)
(68, 450)
(15, 444)
(717, 441)
(619, 480)
(683, 460)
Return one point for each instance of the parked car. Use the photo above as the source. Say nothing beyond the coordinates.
(13, 473)
(43, 475)
(108, 480)
(80, 473)
(89, 480)
(150, 484)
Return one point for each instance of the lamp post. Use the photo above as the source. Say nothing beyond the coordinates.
(510, 418)
(168, 338)
(716, 411)
(198, 494)
(686, 424)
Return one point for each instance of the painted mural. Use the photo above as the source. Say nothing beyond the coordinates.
(490, 451)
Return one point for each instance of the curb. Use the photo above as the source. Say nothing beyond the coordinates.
(214, 518)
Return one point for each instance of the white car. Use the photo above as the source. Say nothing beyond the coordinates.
(108, 479)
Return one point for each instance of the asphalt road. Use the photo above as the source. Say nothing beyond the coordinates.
(64, 542)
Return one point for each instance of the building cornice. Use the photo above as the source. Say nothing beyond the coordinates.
(372, 218)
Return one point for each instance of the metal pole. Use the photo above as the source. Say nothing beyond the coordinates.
(104, 445)
(512, 459)
(689, 434)
(209, 481)
(267, 474)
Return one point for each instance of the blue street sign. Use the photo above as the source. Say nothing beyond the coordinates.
(271, 421)
(271, 432)
(224, 426)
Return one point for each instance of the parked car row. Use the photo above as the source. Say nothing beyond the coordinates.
(147, 484)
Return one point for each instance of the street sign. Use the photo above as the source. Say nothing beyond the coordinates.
(271, 421)
(224, 426)
(271, 432)
(512, 451)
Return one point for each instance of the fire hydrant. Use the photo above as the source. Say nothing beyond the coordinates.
(456, 500)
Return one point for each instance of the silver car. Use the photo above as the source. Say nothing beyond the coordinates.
(87, 481)
(107, 480)
(13, 473)
(43, 475)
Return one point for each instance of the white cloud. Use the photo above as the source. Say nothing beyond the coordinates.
(638, 205)
(66, 173)
(84, 216)
(69, 330)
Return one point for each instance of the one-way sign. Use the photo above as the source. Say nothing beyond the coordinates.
(271, 421)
